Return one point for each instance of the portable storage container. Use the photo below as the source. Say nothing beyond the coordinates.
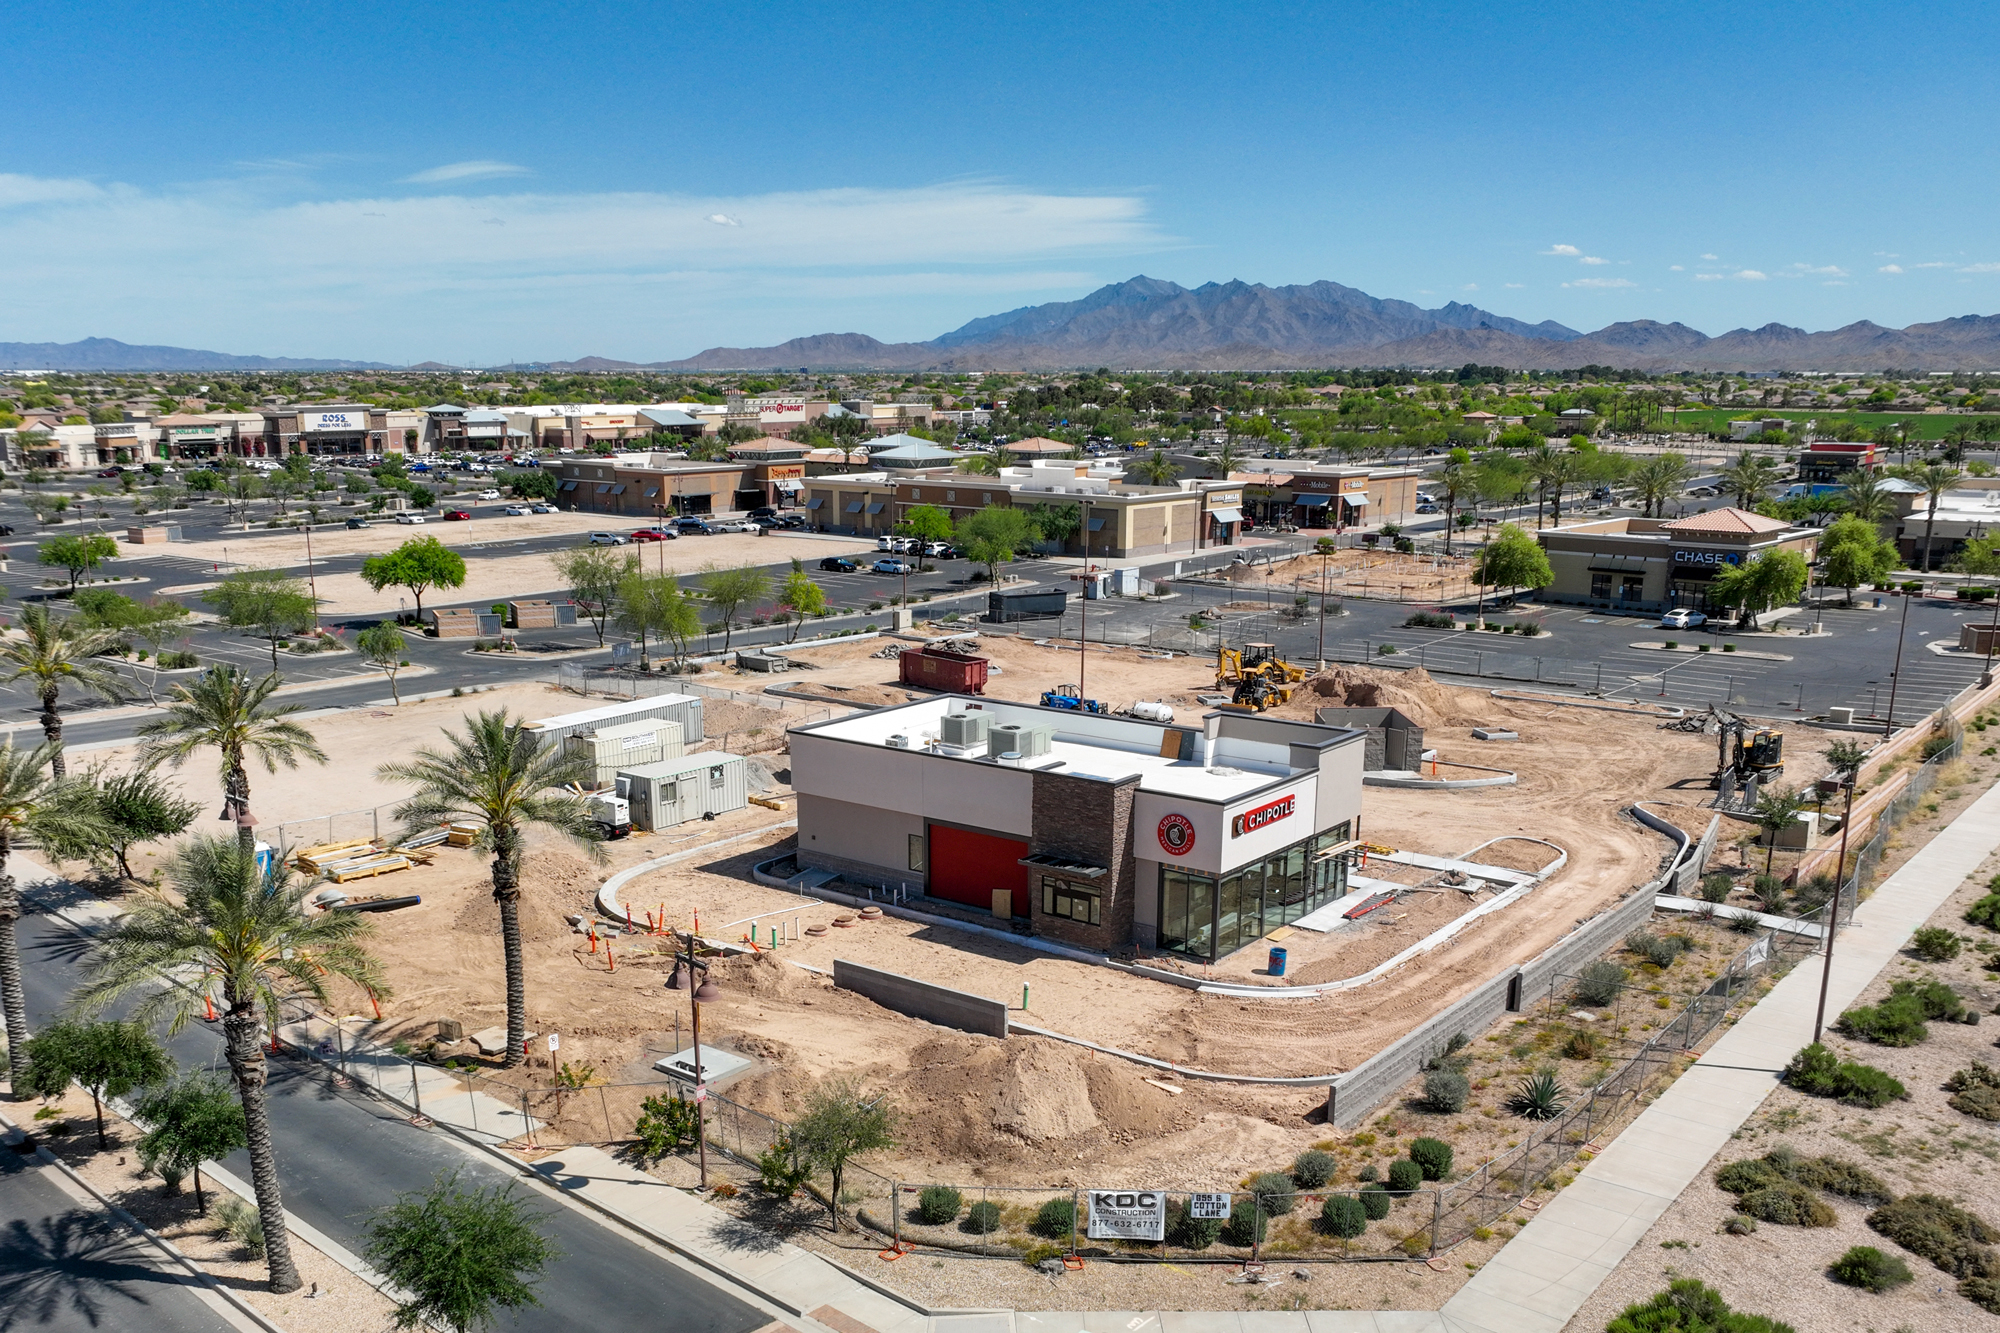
(676, 790)
(938, 669)
(682, 708)
(612, 750)
(1026, 603)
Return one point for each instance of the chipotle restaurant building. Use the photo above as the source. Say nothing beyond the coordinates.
(1104, 832)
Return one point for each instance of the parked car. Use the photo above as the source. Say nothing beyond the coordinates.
(893, 567)
(1683, 619)
(900, 545)
(489, 494)
(838, 564)
(692, 527)
(762, 511)
(937, 550)
(357, 522)
(654, 535)
(1427, 509)
(543, 507)
(1704, 492)
(515, 511)
(409, 518)
(457, 515)
(110, 472)
(609, 539)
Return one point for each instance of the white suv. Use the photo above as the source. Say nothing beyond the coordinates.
(609, 539)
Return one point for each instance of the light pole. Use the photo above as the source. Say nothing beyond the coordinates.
(1896, 675)
(1993, 633)
(1083, 611)
(312, 583)
(1832, 923)
(1325, 546)
(685, 966)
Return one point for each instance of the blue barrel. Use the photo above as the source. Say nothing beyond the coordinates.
(1277, 965)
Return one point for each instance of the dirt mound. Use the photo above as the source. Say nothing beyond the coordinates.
(1043, 1094)
(873, 695)
(759, 974)
(553, 886)
(1413, 693)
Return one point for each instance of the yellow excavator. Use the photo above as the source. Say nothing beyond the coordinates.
(1256, 677)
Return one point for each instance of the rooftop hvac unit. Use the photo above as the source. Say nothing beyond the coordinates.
(898, 742)
(965, 729)
(1030, 742)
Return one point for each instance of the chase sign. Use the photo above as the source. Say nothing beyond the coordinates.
(1692, 559)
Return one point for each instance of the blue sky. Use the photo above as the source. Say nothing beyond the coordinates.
(519, 181)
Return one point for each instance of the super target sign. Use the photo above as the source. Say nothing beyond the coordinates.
(1177, 835)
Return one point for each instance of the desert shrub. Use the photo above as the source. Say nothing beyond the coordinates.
(1688, 1306)
(1659, 950)
(1538, 1097)
(1599, 982)
(1368, 1173)
(1582, 1046)
(1715, 888)
(1055, 1220)
(1375, 1201)
(982, 1219)
(1313, 1168)
(781, 1170)
(1940, 1231)
(1897, 1021)
(1818, 1072)
(1787, 1204)
(665, 1125)
(1247, 1224)
(1935, 944)
(938, 1205)
(1343, 1216)
(1975, 1091)
(1743, 923)
(1985, 912)
(1404, 1176)
(240, 1221)
(1983, 1292)
(1868, 1268)
(1274, 1192)
(1844, 1179)
(1432, 1156)
(1739, 1225)
(1446, 1091)
(1186, 1231)
(1428, 620)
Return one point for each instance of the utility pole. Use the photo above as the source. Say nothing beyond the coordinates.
(1083, 611)
(1896, 675)
(683, 978)
(1832, 923)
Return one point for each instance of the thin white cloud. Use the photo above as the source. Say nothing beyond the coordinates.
(1749, 275)
(1890, 268)
(1513, 286)
(465, 171)
(1676, 268)
(724, 220)
(1569, 251)
(1981, 268)
(1470, 287)
(1708, 257)
(1602, 282)
(244, 268)
(1740, 275)
(1935, 263)
(1592, 259)
(1830, 270)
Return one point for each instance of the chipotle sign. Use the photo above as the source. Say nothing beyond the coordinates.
(1252, 820)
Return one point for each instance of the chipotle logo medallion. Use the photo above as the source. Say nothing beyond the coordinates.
(1177, 835)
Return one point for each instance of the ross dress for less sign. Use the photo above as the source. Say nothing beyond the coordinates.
(1127, 1215)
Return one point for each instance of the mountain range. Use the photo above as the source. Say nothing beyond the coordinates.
(1149, 324)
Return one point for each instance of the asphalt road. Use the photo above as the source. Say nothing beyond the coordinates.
(342, 1155)
(67, 1268)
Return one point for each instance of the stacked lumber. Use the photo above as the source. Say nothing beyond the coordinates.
(365, 867)
(315, 859)
(462, 833)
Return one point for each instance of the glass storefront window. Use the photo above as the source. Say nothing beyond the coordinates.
(1206, 919)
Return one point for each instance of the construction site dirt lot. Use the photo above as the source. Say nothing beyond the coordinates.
(1359, 571)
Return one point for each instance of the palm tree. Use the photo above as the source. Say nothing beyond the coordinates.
(52, 651)
(1456, 479)
(35, 810)
(1155, 469)
(1866, 499)
(251, 933)
(499, 775)
(1748, 478)
(226, 709)
(1660, 479)
(1552, 470)
(1935, 479)
(1227, 456)
(984, 465)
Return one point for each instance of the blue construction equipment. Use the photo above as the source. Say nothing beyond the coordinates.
(1071, 698)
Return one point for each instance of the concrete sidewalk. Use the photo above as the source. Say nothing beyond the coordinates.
(1539, 1280)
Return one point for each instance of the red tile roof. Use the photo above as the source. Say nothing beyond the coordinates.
(1729, 520)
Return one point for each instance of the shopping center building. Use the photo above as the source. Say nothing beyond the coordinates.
(1647, 565)
(1104, 832)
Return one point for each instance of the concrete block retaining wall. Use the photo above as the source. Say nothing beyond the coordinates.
(920, 999)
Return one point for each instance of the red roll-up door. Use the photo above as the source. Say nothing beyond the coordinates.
(966, 867)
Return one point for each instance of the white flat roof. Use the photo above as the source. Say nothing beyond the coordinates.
(1073, 750)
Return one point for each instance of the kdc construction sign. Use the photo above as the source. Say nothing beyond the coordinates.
(1127, 1215)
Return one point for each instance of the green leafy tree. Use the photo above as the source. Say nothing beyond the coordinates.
(156, 624)
(593, 575)
(531, 484)
(926, 523)
(1980, 557)
(995, 535)
(1776, 810)
(265, 602)
(1935, 479)
(192, 1120)
(1513, 559)
(202, 481)
(462, 1255)
(108, 1059)
(419, 564)
(802, 598)
(499, 775)
(134, 808)
(224, 708)
(653, 605)
(250, 935)
(422, 497)
(384, 645)
(730, 590)
(1056, 523)
(1854, 553)
(77, 555)
(51, 652)
(1758, 585)
(837, 1123)
(36, 810)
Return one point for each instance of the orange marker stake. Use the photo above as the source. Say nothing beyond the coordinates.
(378, 1006)
(593, 939)
(208, 1004)
(628, 916)
(609, 958)
(662, 928)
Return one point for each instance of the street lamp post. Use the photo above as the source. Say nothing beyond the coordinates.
(1896, 675)
(685, 967)
(1326, 546)
(1832, 922)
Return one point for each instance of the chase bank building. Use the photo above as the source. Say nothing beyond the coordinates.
(1646, 566)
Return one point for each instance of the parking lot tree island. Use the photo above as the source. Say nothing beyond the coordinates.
(266, 602)
(730, 590)
(77, 555)
(993, 536)
(593, 575)
(653, 606)
(384, 645)
(419, 564)
(1512, 560)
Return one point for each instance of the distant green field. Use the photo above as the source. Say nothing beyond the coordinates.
(1931, 426)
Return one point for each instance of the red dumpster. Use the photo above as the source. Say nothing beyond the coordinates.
(939, 669)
